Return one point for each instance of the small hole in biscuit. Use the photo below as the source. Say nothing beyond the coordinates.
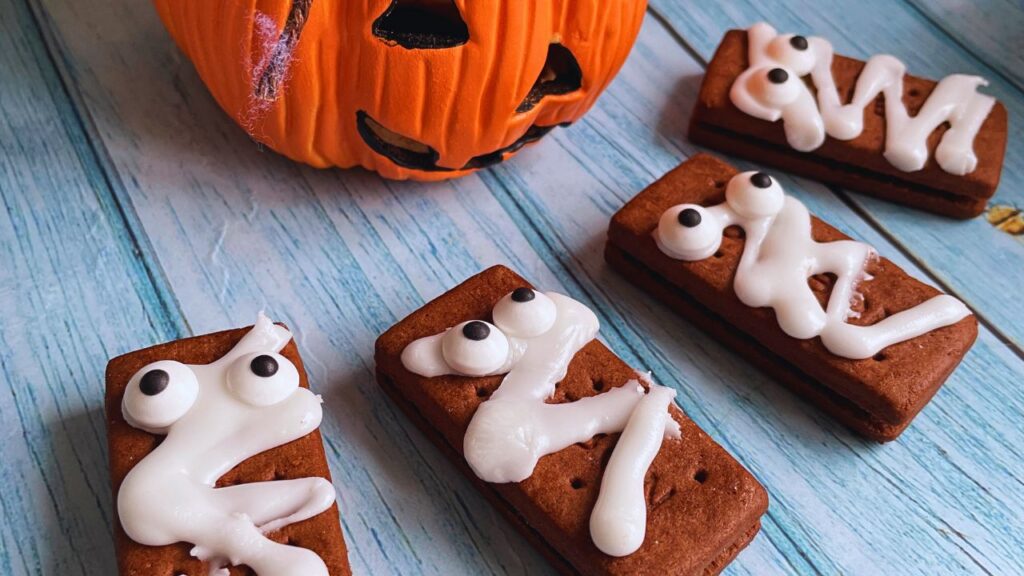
(734, 232)
(577, 483)
(719, 254)
(880, 356)
(914, 92)
(482, 392)
(701, 476)
(598, 384)
(720, 184)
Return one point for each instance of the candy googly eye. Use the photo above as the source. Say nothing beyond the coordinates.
(793, 52)
(775, 87)
(688, 232)
(475, 348)
(159, 395)
(754, 195)
(262, 378)
(525, 313)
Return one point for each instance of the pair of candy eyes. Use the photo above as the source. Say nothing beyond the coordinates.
(156, 381)
(163, 392)
(478, 330)
(781, 75)
(691, 217)
(478, 348)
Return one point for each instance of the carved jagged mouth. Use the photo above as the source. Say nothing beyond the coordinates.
(409, 153)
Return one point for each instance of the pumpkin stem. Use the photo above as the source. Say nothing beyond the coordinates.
(269, 82)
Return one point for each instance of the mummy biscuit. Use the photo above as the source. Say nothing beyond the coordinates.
(825, 314)
(788, 100)
(588, 456)
(238, 478)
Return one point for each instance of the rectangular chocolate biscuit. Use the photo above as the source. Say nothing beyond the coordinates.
(301, 458)
(703, 507)
(857, 164)
(877, 396)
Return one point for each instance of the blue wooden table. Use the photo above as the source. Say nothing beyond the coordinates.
(134, 212)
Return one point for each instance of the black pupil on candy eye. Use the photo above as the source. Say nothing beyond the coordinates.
(523, 295)
(476, 330)
(689, 218)
(761, 180)
(798, 42)
(778, 76)
(263, 366)
(154, 382)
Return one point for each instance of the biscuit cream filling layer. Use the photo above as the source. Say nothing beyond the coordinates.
(773, 88)
(216, 416)
(779, 255)
(532, 341)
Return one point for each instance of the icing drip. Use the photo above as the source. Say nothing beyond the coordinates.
(619, 520)
(771, 88)
(779, 256)
(221, 414)
(515, 427)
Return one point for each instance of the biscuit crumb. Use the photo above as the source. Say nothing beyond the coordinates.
(1006, 218)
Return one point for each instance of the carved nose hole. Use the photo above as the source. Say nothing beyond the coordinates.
(422, 24)
(561, 75)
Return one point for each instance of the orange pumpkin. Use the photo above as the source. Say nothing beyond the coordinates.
(424, 89)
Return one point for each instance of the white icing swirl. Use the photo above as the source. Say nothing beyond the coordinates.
(772, 88)
(515, 427)
(779, 255)
(169, 496)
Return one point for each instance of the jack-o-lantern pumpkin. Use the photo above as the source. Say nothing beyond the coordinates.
(425, 89)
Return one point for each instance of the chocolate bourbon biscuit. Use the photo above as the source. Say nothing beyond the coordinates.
(790, 102)
(216, 460)
(592, 461)
(845, 328)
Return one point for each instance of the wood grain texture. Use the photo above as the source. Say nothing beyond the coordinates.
(991, 30)
(971, 258)
(201, 230)
(73, 292)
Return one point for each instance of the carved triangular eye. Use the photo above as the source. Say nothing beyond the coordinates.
(422, 24)
(561, 75)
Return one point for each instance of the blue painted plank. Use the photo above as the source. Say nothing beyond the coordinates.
(827, 472)
(980, 263)
(340, 255)
(992, 30)
(73, 292)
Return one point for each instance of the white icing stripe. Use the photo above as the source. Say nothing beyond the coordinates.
(779, 255)
(246, 402)
(515, 427)
(618, 522)
(771, 88)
